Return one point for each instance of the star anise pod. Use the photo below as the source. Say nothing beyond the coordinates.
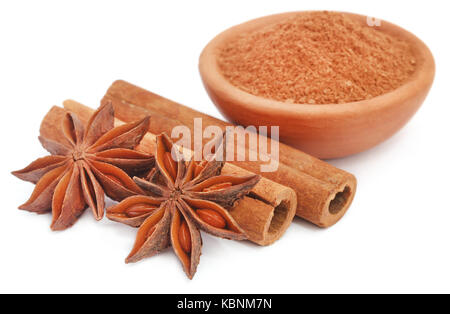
(189, 196)
(85, 163)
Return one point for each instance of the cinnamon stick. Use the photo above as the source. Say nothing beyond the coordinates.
(324, 192)
(264, 214)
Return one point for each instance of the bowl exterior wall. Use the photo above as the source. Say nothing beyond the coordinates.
(323, 136)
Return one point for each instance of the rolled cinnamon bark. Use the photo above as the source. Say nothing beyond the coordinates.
(264, 214)
(324, 192)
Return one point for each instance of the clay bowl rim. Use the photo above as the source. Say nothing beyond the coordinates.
(213, 77)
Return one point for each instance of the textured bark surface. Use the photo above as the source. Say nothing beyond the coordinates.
(324, 192)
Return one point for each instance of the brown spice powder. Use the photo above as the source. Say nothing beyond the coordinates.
(317, 58)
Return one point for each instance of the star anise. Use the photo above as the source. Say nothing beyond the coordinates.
(189, 196)
(85, 163)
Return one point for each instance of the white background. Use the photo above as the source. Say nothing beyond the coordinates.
(395, 238)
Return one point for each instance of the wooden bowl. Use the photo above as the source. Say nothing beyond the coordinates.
(324, 131)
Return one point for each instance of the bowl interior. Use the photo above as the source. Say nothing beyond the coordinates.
(424, 71)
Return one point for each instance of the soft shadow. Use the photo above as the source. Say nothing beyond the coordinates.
(306, 224)
(374, 153)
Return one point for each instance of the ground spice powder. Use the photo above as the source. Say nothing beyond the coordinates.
(317, 58)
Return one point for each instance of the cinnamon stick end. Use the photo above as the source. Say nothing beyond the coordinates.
(264, 223)
(338, 203)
